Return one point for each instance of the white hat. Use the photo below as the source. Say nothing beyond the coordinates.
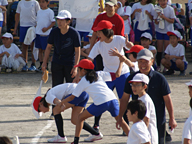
(90, 34)
(146, 35)
(140, 78)
(35, 106)
(175, 33)
(64, 14)
(189, 83)
(7, 35)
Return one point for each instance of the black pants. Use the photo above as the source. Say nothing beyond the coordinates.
(59, 72)
(161, 132)
(99, 63)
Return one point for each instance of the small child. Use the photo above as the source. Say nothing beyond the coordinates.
(45, 22)
(146, 40)
(10, 54)
(189, 84)
(187, 128)
(85, 49)
(138, 133)
(139, 85)
(174, 55)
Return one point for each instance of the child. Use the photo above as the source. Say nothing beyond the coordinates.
(174, 55)
(138, 133)
(85, 49)
(187, 129)
(146, 40)
(189, 84)
(10, 54)
(54, 96)
(143, 14)
(167, 15)
(139, 85)
(26, 14)
(3, 16)
(132, 61)
(103, 98)
(45, 22)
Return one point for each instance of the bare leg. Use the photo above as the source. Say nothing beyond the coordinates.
(180, 64)
(75, 113)
(166, 63)
(25, 52)
(31, 46)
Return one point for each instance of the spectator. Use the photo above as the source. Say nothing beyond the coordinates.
(3, 15)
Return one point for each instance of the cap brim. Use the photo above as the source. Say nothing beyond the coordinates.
(189, 84)
(58, 17)
(129, 51)
(36, 113)
(6, 37)
(135, 81)
(97, 28)
(144, 57)
(171, 33)
(76, 66)
(110, 3)
(145, 37)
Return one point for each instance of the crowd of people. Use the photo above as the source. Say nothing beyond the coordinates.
(114, 33)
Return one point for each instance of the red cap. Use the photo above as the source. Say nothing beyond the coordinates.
(104, 24)
(135, 48)
(86, 64)
(36, 102)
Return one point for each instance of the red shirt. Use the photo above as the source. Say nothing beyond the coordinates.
(116, 20)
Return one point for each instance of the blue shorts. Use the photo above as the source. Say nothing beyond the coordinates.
(111, 106)
(174, 66)
(119, 83)
(1, 23)
(84, 35)
(81, 100)
(41, 42)
(138, 33)
(161, 36)
(23, 31)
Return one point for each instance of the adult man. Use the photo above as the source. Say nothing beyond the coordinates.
(158, 90)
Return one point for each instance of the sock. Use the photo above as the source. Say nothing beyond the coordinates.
(41, 64)
(47, 65)
(76, 140)
(97, 119)
(158, 58)
(59, 124)
(88, 128)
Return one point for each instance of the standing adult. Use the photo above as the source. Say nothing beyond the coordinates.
(66, 54)
(158, 90)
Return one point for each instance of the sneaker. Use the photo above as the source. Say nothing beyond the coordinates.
(96, 128)
(158, 69)
(58, 139)
(51, 117)
(38, 69)
(25, 68)
(169, 72)
(32, 68)
(9, 70)
(182, 73)
(3, 69)
(168, 137)
(92, 138)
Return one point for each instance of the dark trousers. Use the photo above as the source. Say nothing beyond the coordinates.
(161, 132)
(99, 63)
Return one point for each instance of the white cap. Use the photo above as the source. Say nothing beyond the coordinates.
(140, 78)
(64, 14)
(175, 33)
(146, 35)
(90, 33)
(189, 83)
(7, 35)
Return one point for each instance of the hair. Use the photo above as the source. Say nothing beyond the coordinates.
(190, 103)
(43, 101)
(134, 54)
(144, 38)
(127, 3)
(45, 0)
(148, 1)
(139, 106)
(108, 32)
(91, 75)
(5, 140)
(174, 36)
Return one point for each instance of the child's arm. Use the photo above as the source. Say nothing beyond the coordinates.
(186, 141)
(17, 18)
(127, 42)
(133, 14)
(47, 28)
(83, 53)
(18, 55)
(2, 54)
(150, 16)
(154, 52)
(146, 120)
(170, 57)
(118, 72)
(3, 8)
(170, 20)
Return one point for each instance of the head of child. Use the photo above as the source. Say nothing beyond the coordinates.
(86, 68)
(5, 140)
(163, 3)
(136, 111)
(189, 84)
(146, 39)
(110, 7)
(7, 40)
(139, 84)
(43, 4)
(174, 37)
(133, 52)
(143, 2)
(190, 103)
(104, 30)
(63, 19)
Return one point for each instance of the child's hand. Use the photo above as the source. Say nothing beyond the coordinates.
(147, 12)
(171, 57)
(162, 16)
(138, 10)
(17, 55)
(114, 52)
(44, 29)
(7, 54)
(127, 42)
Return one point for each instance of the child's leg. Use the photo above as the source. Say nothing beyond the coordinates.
(166, 63)
(180, 64)
(33, 59)
(40, 55)
(166, 43)
(25, 52)
(124, 125)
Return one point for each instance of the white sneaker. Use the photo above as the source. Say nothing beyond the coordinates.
(92, 138)
(58, 139)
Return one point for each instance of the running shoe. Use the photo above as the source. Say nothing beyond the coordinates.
(32, 68)
(92, 138)
(25, 68)
(58, 139)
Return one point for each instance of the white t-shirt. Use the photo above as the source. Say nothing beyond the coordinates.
(138, 134)
(149, 7)
(190, 4)
(187, 130)
(44, 19)
(179, 50)
(86, 46)
(28, 12)
(122, 11)
(2, 3)
(169, 2)
(84, 25)
(136, 67)
(98, 91)
(111, 63)
(60, 92)
(13, 50)
(152, 117)
(169, 13)
(151, 48)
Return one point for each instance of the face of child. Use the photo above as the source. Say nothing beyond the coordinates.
(190, 91)
(110, 10)
(81, 72)
(62, 23)
(137, 88)
(132, 58)
(145, 42)
(129, 115)
(42, 108)
(162, 3)
(173, 40)
(101, 36)
(7, 42)
(43, 4)
(144, 1)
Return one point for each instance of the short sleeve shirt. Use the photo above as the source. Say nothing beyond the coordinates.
(13, 50)
(2, 3)
(157, 88)
(187, 130)
(64, 45)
